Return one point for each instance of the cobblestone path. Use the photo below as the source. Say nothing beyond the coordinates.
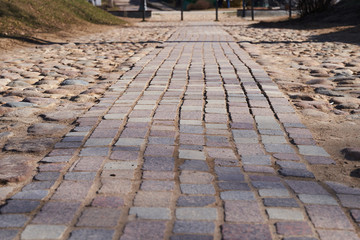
(194, 142)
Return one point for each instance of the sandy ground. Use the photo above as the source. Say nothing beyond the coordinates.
(319, 69)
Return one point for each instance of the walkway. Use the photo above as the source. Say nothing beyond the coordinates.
(194, 142)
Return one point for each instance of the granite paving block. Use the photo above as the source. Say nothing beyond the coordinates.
(342, 188)
(56, 213)
(91, 234)
(191, 237)
(156, 213)
(121, 165)
(243, 211)
(99, 217)
(268, 185)
(324, 216)
(158, 175)
(195, 165)
(282, 192)
(317, 199)
(195, 201)
(144, 230)
(187, 213)
(234, 186)
(107, 201)
(350, 201)
(278, 148)
(43, 232)
(224, 153)
(158, 164)
(337, 234)
(293, 228)
(229, 174)
(280, 202)
(8, 234)
(12, 221)
(309, 150)
(80, 176)
(245, 231)
(115, 186)
(256, 160)
(31, 194)
(355, 213)
(237, 195)
(196, 177)
(197, 189)
(285, 214)
(192, 154)
(152, 185)
(72, 191)
(152, 199)
(306, 187)
(194, 227)
(125, 155)
(19, 206)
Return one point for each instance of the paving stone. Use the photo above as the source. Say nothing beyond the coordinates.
(279, 148)
(256, 160)
(299, 238)
(291, 164)
(293, 228)
(94, 151)
(121, 165)
(72, 191)
(56, 213)
(144, 230)
(274, 192)
(243, 211)
(195, 201)
(43, 232)
(19, 206)
(237, 195)
(187, 213)
(155, 213)
(192, 154)
(306, 187)
(31, 194)
(319, 160)
(342, 188)
(328, 217)
(151, 185)
(285, 214)
(80, 176)
(12, 220)
(224, 153)
(195, 165)
(156, 175)
(197, 189)
(280, 202)
(194, 227)
(268, 185)
(312, 151)
(191, 237)
(234, 186)
(115, 186)
(355, 213)
(350, 201)
(337, 234)
(99, 217)
(89, 164)
(8, 234)
(108, 201)
(196, 177)
(158, 164)
(259, 169)
(229, 174)
(317, 199)
(152, 199)
(91, 234)
(245, 231)
(159, 150)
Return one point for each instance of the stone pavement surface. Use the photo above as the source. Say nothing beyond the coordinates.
(195, 141)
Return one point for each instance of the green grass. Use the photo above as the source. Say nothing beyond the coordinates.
(24, 17)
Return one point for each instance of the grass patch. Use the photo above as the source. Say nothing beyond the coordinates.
(25, 17)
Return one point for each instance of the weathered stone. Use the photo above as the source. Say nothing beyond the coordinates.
(351, 153)
(15, 168)
(30, 145)
(47, 129)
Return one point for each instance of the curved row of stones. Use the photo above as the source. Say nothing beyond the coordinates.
(194, 142)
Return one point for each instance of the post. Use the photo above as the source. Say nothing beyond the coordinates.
(243, 12)
(252, 10)
(143, 9)
(290, 9)
(216, 10)
(182, 9)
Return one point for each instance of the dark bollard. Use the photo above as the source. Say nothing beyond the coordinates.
(290, 9)
(216, 10)
(252, 10)
(182, 9)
